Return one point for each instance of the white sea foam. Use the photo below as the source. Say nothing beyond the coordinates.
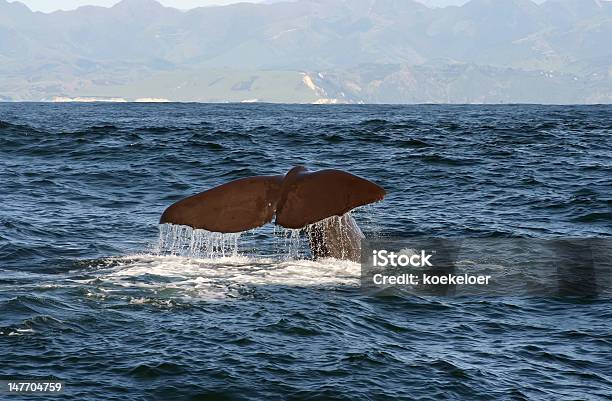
(198, 264)
(237, 269)
(156, 279)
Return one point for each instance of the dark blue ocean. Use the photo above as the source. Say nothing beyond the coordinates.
(87, 295)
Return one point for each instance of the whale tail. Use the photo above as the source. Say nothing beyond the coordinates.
(297, 199)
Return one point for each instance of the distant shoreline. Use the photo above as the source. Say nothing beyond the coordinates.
(123, 101)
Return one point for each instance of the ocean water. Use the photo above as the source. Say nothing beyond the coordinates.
(93, 292)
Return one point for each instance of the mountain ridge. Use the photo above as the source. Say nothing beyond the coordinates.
(90, 50)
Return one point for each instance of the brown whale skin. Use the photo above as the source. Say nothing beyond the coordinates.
(298, 199)
(307, 198)
(237, 206)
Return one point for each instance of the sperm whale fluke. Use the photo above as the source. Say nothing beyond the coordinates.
(297, 199)
(239, 205)
(307, 198)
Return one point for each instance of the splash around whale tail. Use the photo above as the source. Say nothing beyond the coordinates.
(297, 199)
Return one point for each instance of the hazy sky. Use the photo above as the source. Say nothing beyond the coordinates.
(52, 5)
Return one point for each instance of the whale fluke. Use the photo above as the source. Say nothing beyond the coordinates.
(307, 198)
(237, 206)
(297, 199)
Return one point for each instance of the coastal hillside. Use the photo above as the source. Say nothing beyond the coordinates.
(306, 51)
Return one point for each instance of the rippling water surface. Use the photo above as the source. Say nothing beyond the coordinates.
(86, 296)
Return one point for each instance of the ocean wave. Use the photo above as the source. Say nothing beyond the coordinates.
(84, 286)
(447, 160)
